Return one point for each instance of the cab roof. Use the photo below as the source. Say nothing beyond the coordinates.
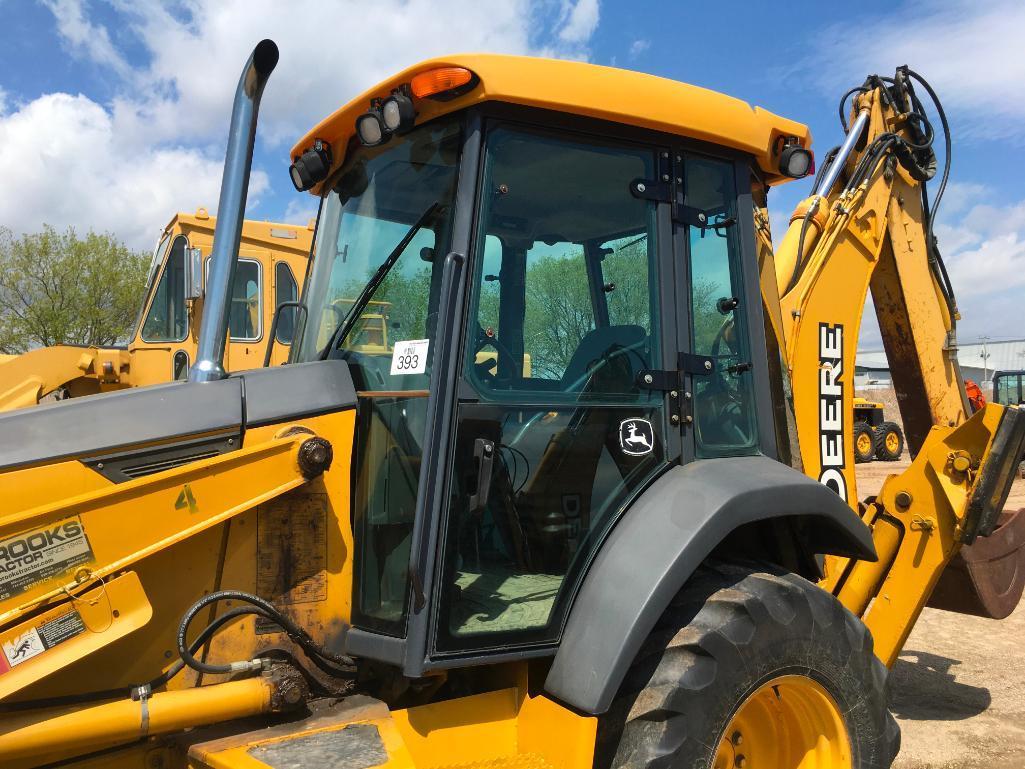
(590, 90)
(275, 235)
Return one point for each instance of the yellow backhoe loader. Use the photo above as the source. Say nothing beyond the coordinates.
(418, 557)
(270, 270)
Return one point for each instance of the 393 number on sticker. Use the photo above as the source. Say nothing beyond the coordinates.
(410, 357)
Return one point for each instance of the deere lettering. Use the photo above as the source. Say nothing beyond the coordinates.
(831, 408)
(32, 557)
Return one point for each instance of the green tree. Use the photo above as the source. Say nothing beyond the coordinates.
(58, 288)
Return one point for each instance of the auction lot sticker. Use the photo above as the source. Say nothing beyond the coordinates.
(410, 357)
(35, 556)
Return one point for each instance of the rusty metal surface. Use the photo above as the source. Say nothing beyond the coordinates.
(986, 578)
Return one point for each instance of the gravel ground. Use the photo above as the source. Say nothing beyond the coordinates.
(958, 689)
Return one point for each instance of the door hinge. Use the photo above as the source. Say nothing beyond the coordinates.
(666, 381)
(668, 188)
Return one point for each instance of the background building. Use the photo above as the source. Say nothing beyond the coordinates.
(978, 362)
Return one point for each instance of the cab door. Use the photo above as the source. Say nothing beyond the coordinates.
(721, 304)
(571, 301)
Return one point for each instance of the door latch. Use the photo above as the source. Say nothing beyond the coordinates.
(484, 457)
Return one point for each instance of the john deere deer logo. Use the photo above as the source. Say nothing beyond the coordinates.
(636, 437)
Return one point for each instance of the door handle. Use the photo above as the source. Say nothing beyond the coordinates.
(484, 454)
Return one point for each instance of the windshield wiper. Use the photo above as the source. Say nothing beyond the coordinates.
(372, 285)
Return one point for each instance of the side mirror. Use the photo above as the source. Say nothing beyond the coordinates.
(193, 273)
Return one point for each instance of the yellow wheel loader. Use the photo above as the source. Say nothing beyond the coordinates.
(420, 557)
(874, 436)
(270, 270)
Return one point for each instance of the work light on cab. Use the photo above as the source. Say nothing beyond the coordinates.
(796, 162)
(397, 112)
(312, 166)
(370, 128)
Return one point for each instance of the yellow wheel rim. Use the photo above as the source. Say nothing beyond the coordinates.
(892, 442)
(865, 444)
(791, 722)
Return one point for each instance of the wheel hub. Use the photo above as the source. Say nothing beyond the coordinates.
(790, 722)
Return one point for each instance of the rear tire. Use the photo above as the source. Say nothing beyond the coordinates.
(864, 442)
(889, 442)
(730, 631)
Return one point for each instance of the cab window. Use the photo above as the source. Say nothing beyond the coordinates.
(724, 400)
(245, 323)
(245, 316)
(285, 290)
(168, 317)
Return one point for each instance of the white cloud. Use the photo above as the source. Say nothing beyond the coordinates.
(970, 52)
(581, 19)
(63, 164)
(301, 210)
(324, 63)
(83, 37)
(984, 244)
(637, 47)
(157, 147)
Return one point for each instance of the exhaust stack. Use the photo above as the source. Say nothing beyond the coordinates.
(231, 208)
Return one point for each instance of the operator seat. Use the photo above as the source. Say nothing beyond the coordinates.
(627, 341)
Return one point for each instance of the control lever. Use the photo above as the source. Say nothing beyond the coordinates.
(484, 454)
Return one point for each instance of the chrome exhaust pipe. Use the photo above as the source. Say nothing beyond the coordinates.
(231, 209)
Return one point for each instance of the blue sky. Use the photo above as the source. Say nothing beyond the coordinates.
(113, 114)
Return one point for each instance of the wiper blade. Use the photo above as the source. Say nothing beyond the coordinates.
(372, 285)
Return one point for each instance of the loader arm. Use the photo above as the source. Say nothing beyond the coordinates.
(864, 229)
(26, 378)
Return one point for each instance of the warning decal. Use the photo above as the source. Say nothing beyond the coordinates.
(29, 642)
(35, 556)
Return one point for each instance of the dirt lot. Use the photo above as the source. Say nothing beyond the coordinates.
(958, 689)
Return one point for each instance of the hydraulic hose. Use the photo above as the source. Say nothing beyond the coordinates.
(320, 656)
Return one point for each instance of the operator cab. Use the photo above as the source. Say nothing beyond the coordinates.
(570, 307)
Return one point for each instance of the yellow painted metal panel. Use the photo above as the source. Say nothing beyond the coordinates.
(617, 95)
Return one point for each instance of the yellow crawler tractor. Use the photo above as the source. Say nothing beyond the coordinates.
(270, 270)
(417, 556)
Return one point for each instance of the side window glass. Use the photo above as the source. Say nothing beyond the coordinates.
(723, 401)
(168, 318)
(246, 318)
(563, 294)
(285, 290)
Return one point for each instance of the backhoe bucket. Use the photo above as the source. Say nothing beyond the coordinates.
(987, 575)
(986, 578)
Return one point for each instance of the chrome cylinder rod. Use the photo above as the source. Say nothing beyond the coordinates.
(833, 172)
(231, 209)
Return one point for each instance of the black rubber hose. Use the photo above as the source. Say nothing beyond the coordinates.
(314, 651)
(843, 102)
(947, 146)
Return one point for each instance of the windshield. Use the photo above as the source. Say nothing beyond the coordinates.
(382, 238)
